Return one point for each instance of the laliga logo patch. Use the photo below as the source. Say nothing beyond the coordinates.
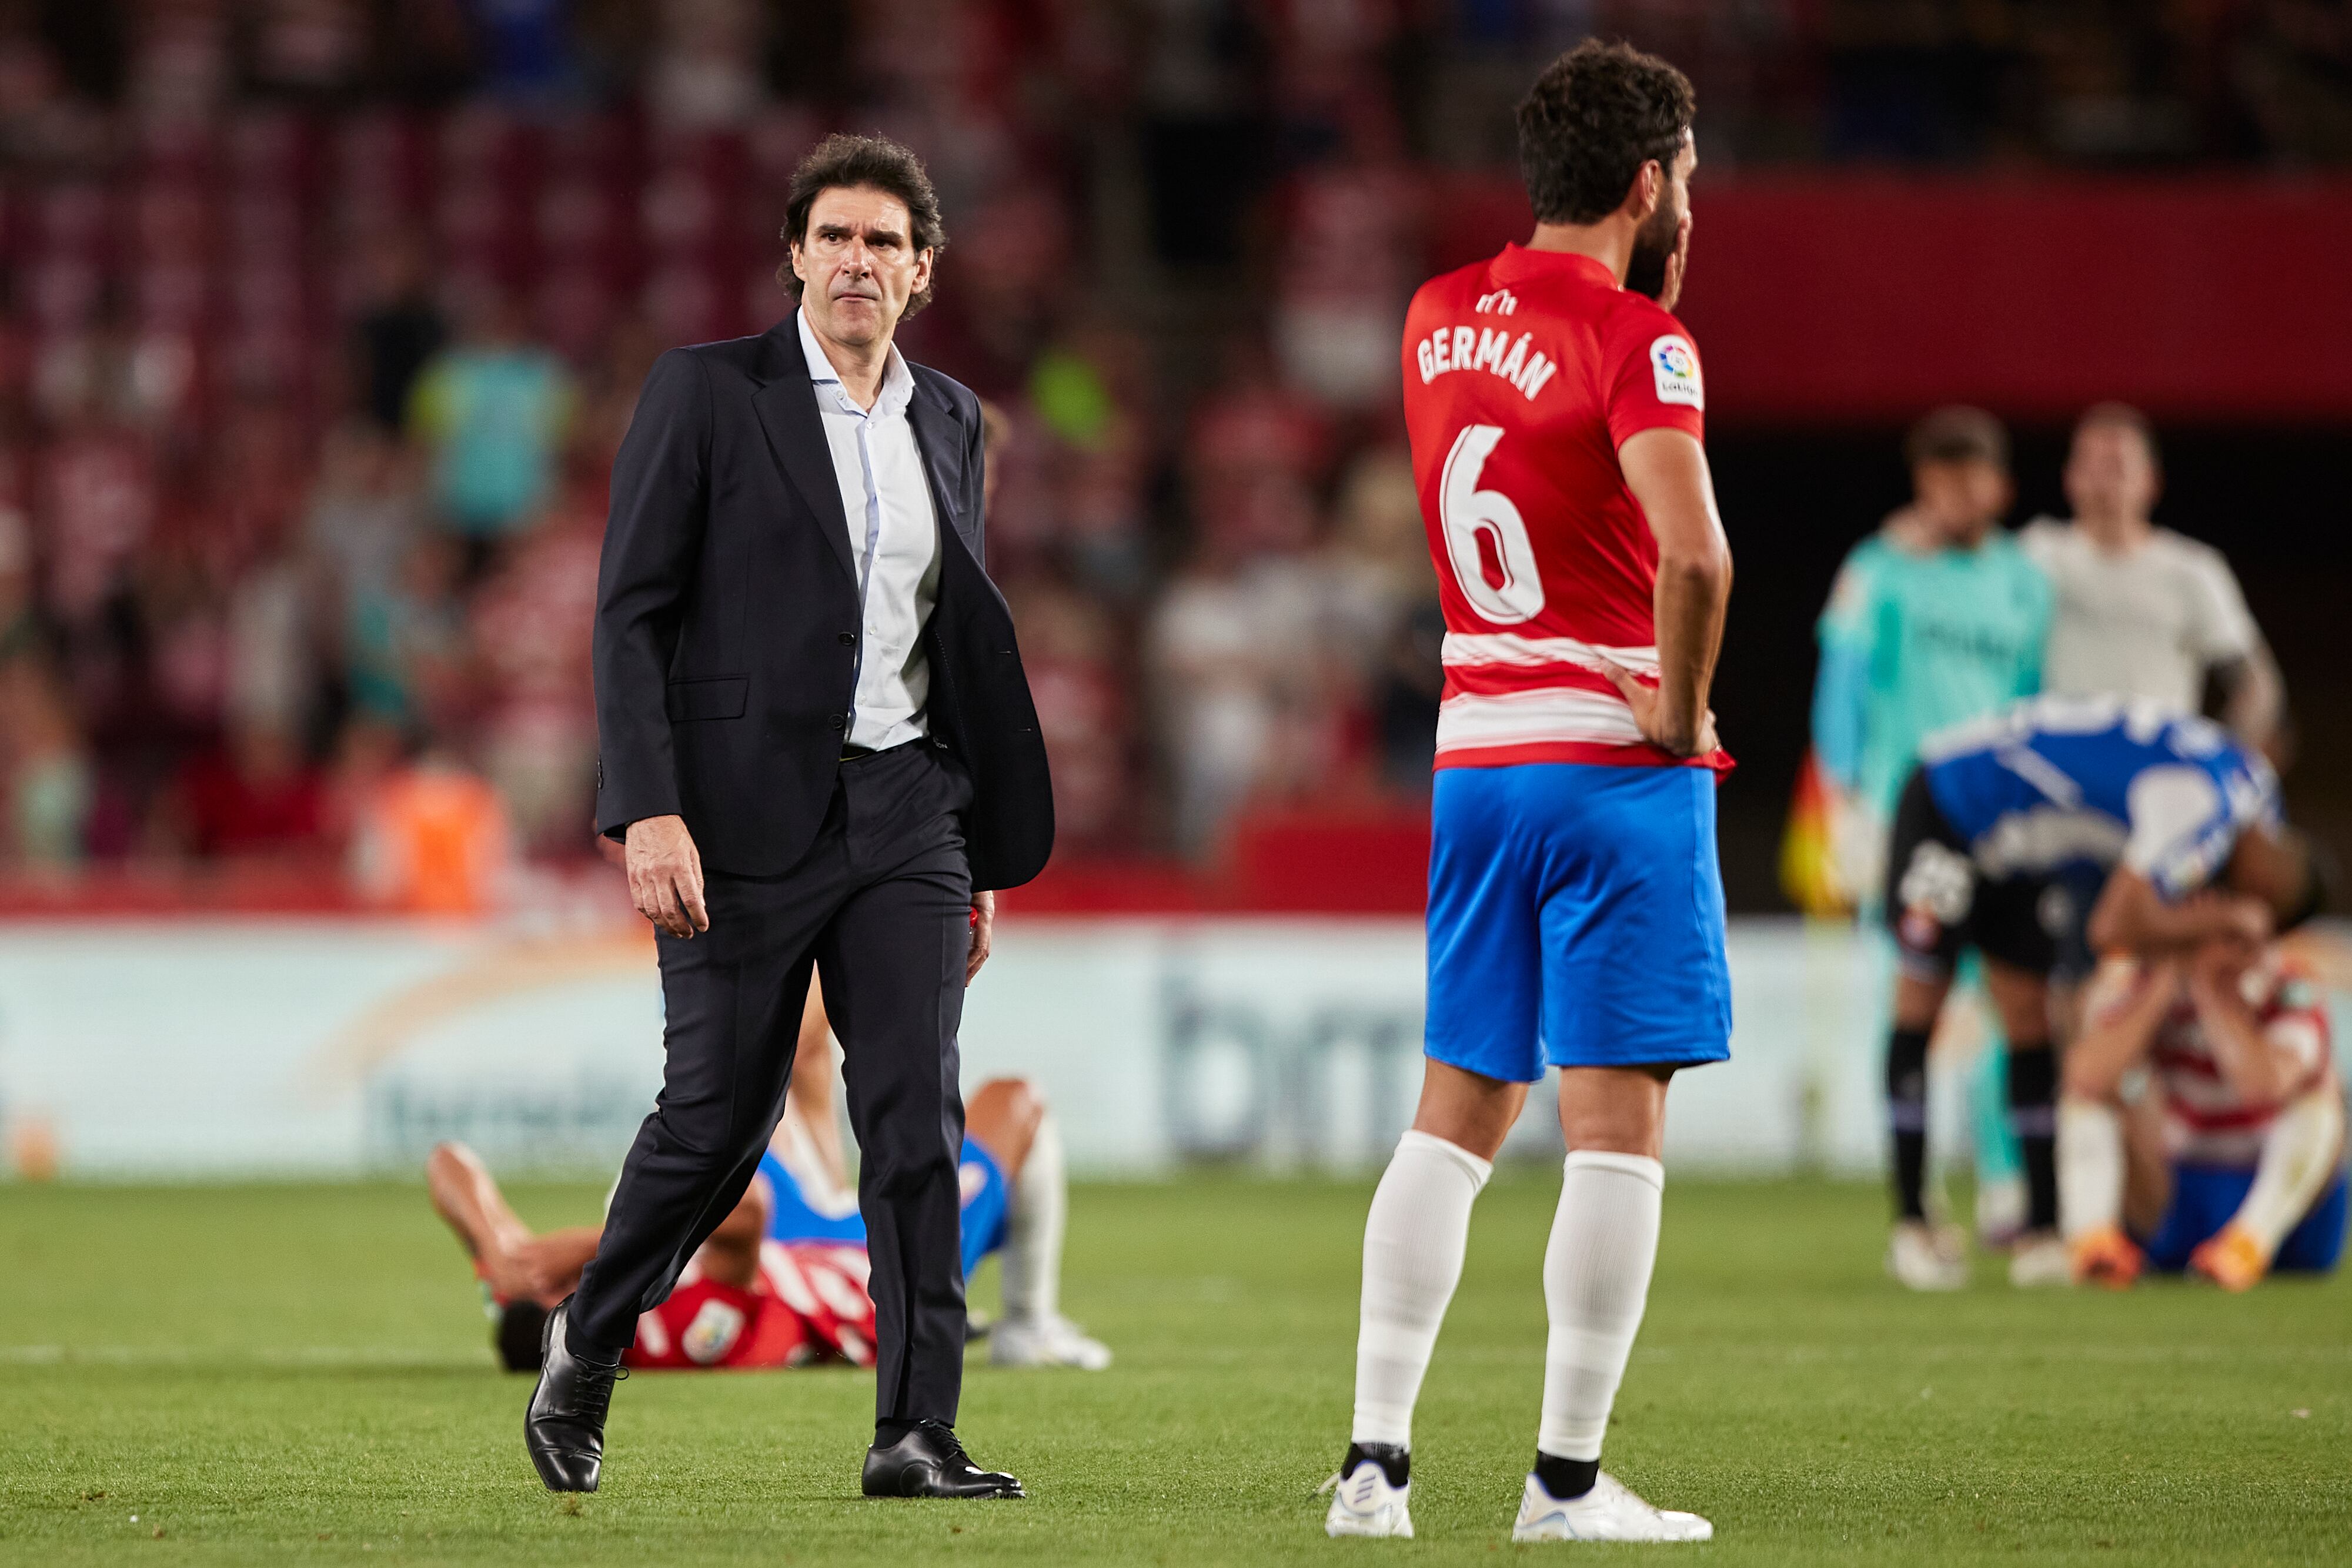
(712, 1333)
(1674, 366)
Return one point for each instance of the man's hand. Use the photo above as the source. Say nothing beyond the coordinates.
(666, 876)
(1677, 266)
(1678, 737)
(983, 934)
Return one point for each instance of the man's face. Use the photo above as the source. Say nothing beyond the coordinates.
(2110, 473)
(858, 265)
(1660, 241)
(1961, 498)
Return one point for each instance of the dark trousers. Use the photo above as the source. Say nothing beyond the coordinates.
(880, 906)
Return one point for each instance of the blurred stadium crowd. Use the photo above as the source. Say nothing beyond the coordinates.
(320, 319)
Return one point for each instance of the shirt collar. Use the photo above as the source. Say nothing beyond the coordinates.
(897, 381)
(1521, 261)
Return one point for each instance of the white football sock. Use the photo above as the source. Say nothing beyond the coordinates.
(1413, 1240)
(2090, 1167)
(1033, 1231)
(1596, 1273)
(2298, 1157)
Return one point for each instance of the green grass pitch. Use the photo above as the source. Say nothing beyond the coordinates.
(301, 1375)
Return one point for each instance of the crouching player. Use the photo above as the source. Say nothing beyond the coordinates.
(2057, 828)
(782, 1281)
(2230, 1163)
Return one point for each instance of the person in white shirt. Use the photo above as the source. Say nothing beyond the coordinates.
(2143, 610)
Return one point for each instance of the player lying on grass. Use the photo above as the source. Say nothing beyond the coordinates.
(782, 1281)
(2230, 1163)
(2157, 823)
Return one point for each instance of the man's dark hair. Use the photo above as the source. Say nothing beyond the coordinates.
(1596, 115)
(1958, 434)
(842, 162)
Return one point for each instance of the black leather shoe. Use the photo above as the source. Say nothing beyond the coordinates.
(929, 1462)
(564, 1428)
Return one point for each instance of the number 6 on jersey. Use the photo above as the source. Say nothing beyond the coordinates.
(1468, 515)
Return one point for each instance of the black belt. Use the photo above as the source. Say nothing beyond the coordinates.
(860, 753)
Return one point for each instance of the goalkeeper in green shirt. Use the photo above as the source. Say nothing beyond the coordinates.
(1935, 619)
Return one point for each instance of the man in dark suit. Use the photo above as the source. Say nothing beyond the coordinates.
(818, 748)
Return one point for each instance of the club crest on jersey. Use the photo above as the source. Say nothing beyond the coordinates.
(1496, 351)
(713, 1332)
(1674, 366)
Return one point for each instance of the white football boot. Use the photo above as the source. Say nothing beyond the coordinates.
(2000, 1212)
(1608, 1512)
(1364, 1503)
(1045, 1341)
(1924, 1257)
(2040, 1261)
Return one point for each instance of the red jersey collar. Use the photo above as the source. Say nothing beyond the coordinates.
(1518, 261)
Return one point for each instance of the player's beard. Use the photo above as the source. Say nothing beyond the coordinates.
(1653, 246)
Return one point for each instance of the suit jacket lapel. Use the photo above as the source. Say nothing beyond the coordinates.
(935, 438)
(795, 431)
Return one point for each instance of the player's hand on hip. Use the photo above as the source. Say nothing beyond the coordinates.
(666, 876)
(983, 934)
(1659, 728)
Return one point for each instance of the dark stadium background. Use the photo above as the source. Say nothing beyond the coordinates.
(1143, 169)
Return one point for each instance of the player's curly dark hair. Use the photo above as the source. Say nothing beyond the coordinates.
(842, 162)
(1596, 115)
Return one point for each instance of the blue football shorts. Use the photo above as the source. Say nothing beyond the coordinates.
(2204, 1198)
(987, 1200)
(1575, 918)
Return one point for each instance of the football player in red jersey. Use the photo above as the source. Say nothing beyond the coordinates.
(782, 1281)
(2231, 1164)
(1555, 410)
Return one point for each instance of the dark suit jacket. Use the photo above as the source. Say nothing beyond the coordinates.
(727, 618)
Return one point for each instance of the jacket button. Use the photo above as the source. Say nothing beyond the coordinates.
(847, 638)
(839, 723)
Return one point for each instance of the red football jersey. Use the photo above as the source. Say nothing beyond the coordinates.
(1522, 377)
(812, 1303)
(2207, 1122)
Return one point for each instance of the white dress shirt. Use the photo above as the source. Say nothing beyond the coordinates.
(894, 538)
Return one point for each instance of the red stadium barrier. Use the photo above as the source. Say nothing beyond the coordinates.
(1829, 298)
(1368, 862)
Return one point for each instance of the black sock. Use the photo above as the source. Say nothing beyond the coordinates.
(1395, 1461)
(576, 1344)
(1565, 1479)
(1906, 1118)
(2034, 1118)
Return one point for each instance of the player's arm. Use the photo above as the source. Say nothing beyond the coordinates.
(2131, 916)
(2128, 1000)
(2241, 675)
(2251, 698)
(1847, 635)
(2262, 1071)
(1666, 470)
